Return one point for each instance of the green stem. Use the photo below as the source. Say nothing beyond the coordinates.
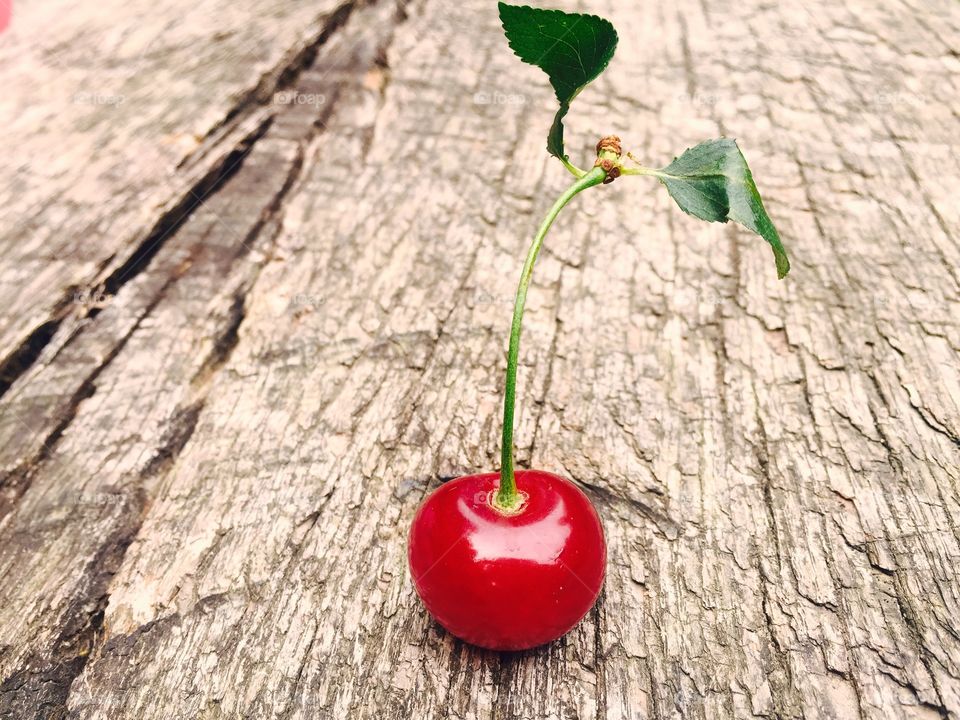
(574, 170)
(507, 498)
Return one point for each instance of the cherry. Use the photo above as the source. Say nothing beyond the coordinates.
(507, 579)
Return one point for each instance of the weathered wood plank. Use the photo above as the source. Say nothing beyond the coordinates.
(113, 115)
(192, 275)
(210, 519)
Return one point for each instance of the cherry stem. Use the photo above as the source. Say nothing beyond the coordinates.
(507, 497)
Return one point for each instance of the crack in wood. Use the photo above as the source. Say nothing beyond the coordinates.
(43, 682)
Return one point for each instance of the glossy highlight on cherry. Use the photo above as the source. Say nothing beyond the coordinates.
(507, 581)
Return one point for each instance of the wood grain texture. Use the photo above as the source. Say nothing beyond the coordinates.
(235, 365)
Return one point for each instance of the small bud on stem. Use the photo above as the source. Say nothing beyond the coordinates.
(609, 151)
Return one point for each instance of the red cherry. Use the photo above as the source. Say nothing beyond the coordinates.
(507, 581)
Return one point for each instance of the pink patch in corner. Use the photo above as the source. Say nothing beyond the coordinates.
(6, 9)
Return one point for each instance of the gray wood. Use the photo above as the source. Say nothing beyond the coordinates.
(254, 312)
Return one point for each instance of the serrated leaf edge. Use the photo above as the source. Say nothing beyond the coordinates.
(564, 104)
(555, 11)
(780, 256)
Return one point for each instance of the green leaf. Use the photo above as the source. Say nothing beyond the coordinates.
(713, 182)
(571, 48)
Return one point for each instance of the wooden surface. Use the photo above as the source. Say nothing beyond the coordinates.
(258, 260)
